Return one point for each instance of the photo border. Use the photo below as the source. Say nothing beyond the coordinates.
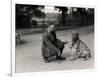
(50, 73)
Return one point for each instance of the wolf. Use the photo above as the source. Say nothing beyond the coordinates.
(79, 48)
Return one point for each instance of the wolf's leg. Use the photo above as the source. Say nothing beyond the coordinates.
(73, 51)
(75, 55)
(86, 56)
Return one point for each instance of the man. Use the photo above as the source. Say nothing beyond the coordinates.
(51, 46)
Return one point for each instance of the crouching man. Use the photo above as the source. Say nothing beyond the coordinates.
(51, 46)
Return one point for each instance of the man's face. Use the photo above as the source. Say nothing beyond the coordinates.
(51, 28)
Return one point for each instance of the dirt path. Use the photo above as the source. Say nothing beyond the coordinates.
(29, 59)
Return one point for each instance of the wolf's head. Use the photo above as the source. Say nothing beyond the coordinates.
(75, 36)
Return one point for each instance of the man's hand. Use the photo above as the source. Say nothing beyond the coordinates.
(65, 42)
(70, 46)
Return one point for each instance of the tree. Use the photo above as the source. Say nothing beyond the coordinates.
(63, 12)
(24, 14)
(81, 15)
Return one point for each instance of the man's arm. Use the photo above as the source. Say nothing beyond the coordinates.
(48, 43)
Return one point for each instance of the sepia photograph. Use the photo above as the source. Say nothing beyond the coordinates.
(53, 38)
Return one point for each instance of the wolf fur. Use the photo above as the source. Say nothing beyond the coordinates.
(79, 48)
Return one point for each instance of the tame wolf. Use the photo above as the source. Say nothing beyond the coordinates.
(79, 48)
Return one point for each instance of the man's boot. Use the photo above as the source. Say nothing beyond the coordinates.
(60, 58)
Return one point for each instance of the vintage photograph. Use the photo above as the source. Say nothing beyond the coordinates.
(53, 38)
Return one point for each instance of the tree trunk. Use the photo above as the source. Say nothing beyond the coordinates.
(63, 18)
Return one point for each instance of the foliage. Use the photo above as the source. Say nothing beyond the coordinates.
(64, 13)
(24, 14)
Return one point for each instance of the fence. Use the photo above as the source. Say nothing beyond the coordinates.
(26, 22)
